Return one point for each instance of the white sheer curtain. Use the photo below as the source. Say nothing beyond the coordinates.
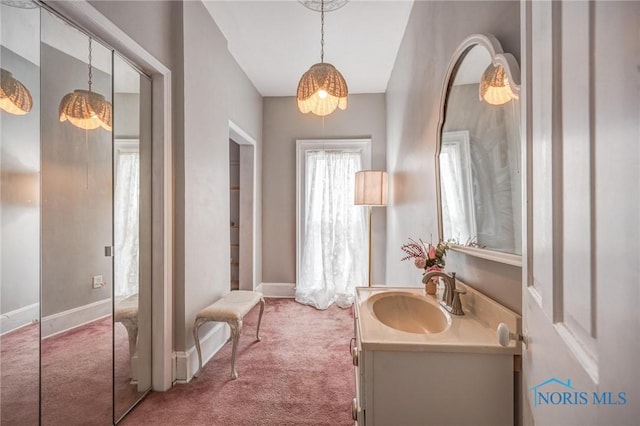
(334, 249)
(126, 218)
(458, 218)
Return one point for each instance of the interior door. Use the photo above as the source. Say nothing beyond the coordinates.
(581, 273)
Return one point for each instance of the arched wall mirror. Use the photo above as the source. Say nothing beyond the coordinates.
(478, 158)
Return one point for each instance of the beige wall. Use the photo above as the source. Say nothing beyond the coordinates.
(283, 125)
(434, 31)
(161, 22)
(209, 89)
(216, 90)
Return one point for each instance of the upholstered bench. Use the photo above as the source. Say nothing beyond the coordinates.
(230, 308)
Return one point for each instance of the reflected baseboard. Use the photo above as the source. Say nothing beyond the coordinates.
(211, 341)
(18, 318)
(281, 290)
(63, 321)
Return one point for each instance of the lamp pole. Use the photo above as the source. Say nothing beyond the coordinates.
(370, 238)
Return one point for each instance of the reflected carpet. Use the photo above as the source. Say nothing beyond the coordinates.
(76, 377)
(299, 374)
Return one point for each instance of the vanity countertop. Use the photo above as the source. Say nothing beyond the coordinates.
(475, 332)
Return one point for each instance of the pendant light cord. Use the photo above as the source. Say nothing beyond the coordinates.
(90, 71)
(86, 150)
(322, 31)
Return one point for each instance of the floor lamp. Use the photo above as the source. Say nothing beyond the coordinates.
(371, 191)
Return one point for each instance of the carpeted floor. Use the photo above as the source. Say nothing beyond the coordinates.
(299, 374)
(19, 382)
(76, 375)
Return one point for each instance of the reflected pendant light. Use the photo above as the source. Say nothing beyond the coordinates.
(322, 88)
(494, 86)
(14, 96)
(86, 109)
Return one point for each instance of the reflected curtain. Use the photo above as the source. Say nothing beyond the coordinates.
(457, 222)
(334, 246)
(491, 161)
(126, 222)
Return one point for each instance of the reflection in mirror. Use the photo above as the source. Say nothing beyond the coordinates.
(19, 214)
(76, 226)
(132, 295)
(479, 158)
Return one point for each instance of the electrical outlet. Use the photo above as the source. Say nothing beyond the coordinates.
(97, 282)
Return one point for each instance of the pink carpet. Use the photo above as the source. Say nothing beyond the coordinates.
(76, 376)
(19, 401)
(300, 374)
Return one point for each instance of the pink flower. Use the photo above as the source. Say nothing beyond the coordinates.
(432, 252)
(420, 262)
(434, 268)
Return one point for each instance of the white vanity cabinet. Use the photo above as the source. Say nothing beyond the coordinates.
(402, 384)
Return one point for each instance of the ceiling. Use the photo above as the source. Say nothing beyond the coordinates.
(275, 42)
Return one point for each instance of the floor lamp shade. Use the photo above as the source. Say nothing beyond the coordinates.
(371, 188)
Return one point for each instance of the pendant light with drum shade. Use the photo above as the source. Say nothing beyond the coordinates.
(322, 88)
(86, 109)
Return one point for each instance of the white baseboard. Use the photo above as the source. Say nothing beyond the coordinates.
(186, 363)
(282, 290)
(18, 318)
(63, 321)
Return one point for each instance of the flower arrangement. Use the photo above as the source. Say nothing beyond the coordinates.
(426, 256)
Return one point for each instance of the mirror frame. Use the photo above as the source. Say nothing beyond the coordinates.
(509, 63)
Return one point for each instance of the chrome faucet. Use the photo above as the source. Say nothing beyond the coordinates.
(451, 296)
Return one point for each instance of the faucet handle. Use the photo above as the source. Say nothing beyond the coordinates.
(456, 304)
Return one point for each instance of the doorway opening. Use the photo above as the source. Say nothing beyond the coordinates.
(242, 209)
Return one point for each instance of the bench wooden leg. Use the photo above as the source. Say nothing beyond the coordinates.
(260, 318)
(236, 329)
(196, 326)
(132, 331)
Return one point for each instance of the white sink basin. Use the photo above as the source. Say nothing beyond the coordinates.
(408, 312)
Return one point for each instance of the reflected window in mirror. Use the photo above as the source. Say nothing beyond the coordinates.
(479, 150)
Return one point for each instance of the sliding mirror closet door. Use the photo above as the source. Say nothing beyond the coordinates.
(132, 235)
(76, 228)
(19, 213)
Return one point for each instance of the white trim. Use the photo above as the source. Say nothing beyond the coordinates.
(304, 145)
(186, 363)
(127, 145)
(72, 318)
(496, 256)
(239, 136)
(277, 290)
(19, 318)
(89, 18)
